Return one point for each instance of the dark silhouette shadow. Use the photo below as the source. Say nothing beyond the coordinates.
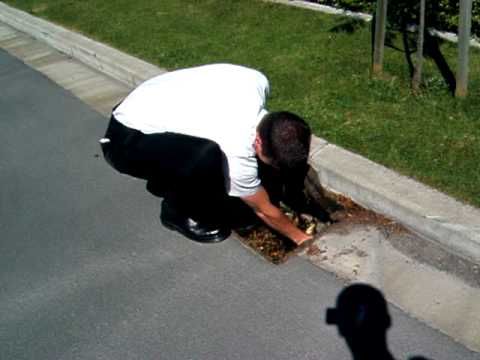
(349, 25)
(362, 318)
(432, 50)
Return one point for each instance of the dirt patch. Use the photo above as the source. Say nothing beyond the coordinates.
(352, 213)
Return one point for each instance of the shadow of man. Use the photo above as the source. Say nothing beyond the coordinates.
(362, 318)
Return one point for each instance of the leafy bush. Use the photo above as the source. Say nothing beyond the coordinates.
(442, 14)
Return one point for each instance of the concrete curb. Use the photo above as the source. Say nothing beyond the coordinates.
(427, 212)
(123, 67)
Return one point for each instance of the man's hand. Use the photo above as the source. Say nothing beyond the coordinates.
(274, 217)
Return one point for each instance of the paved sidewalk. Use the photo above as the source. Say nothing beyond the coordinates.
(88, 272)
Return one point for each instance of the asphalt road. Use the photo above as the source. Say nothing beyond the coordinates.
(88, 272)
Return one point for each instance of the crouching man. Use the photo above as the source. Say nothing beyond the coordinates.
(198, 136)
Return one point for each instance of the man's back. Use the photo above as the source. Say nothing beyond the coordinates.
(206, 101)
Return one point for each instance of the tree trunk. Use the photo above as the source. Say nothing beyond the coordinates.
(463, 47)
(417, 75)
(380, 30)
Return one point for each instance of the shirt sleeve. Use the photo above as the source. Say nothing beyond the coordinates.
(244, 180)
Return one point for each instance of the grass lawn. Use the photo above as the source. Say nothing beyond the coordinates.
(318, 72)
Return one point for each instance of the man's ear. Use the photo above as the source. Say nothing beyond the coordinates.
(258, 144)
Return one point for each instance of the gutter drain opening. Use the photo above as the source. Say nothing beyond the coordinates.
(332, 208)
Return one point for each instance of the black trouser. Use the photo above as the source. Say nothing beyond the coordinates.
(187, 171)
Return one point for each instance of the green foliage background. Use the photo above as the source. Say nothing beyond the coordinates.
(446, 12)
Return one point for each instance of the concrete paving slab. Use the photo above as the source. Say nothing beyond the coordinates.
(70, 73)
(98, 87)
(13, 42)
(7, 33)
(30, 50)
(105, 102)
(44, 59)
(87, 271)
(67, 70)
(81, 80)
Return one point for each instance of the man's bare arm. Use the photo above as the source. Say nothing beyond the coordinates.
(274, 217)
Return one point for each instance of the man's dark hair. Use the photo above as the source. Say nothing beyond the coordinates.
(285, 139)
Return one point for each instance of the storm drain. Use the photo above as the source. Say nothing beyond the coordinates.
(277, 249)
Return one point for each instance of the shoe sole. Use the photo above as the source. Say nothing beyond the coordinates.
(205, 240)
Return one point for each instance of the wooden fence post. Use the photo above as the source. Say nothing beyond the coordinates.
(464, 28)
(380, 30)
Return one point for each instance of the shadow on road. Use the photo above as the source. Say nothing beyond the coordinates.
(362, 318)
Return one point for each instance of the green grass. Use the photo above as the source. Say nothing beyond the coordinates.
(321, 74)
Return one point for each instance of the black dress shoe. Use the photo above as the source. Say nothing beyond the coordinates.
(190, 228)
